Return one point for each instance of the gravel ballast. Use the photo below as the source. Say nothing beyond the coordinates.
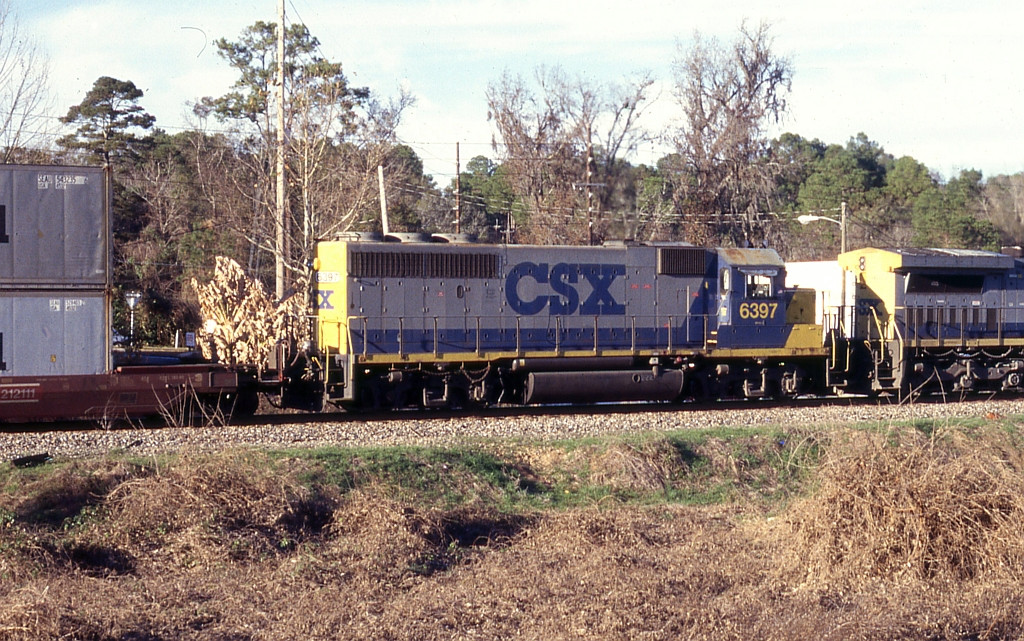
(64, 443)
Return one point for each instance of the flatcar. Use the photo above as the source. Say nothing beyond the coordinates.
(55, 312)
(404, 324)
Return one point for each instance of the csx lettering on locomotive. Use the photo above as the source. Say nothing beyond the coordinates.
(562, 279)
(323, 299)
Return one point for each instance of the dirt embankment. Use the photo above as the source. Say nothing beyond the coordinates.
(832, 534)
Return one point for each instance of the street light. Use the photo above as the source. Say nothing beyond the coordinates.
(809, 218)
(132, 298)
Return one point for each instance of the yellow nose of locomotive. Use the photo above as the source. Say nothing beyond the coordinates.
(331, 271)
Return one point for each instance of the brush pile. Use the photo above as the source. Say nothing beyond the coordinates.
(903, 506)
(242, 324)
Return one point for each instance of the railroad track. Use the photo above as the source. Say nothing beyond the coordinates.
(61, 441)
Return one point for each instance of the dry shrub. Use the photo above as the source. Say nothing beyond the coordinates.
(205, 507)
(591, 574)
(901, 506)
(62, 494)
(383, 539)
(378, 536)
(643, 467)
(62, 501)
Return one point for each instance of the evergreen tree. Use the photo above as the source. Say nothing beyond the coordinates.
(106, 119)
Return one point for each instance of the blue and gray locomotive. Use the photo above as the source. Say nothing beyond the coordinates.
(932, 321)
(448, 324)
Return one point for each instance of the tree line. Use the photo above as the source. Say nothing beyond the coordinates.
(560, 171)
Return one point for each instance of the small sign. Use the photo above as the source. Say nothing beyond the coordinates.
(20, 393)
(63, 181)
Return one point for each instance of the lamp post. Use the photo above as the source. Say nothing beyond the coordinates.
(809, 218)
(132, 298)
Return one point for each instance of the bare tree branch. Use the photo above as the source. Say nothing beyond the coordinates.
(25, 100)
(727, 96)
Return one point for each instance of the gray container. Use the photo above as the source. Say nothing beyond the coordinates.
(54, 333)
(55, 227)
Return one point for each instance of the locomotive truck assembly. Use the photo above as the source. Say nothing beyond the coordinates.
(418, 321)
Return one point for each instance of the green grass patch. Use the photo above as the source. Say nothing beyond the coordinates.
(700, 467)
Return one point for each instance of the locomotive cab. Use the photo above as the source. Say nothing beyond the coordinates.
(756, 310)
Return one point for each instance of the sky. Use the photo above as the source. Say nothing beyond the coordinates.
(938, 80)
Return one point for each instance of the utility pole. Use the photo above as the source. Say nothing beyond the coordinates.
(590, 193)
(458, 191)
(842, 228)
(383, 201)
(281, 240)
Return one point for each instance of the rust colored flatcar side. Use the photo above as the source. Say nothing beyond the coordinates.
(127, 392)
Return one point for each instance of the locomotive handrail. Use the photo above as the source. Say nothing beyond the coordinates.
(916, 320)
(878, 325)
(370, 336)
(881, 335)
(343, 339)
(366, 343)
(899, 335)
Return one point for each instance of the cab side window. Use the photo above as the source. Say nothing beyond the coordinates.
(759, 286)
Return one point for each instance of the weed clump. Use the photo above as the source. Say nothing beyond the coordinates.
(905, 506)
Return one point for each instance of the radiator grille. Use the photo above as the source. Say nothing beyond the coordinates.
(682, 261)
(378, 264)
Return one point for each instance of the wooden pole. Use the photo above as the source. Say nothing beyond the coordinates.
(458, 191)
(280, 244)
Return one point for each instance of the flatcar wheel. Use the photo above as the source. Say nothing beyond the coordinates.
(247, 402)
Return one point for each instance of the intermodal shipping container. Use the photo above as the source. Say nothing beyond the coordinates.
(54, 333)
(54, 228)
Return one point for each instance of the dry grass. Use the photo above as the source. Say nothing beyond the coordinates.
(917, 510)
(900, 536)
